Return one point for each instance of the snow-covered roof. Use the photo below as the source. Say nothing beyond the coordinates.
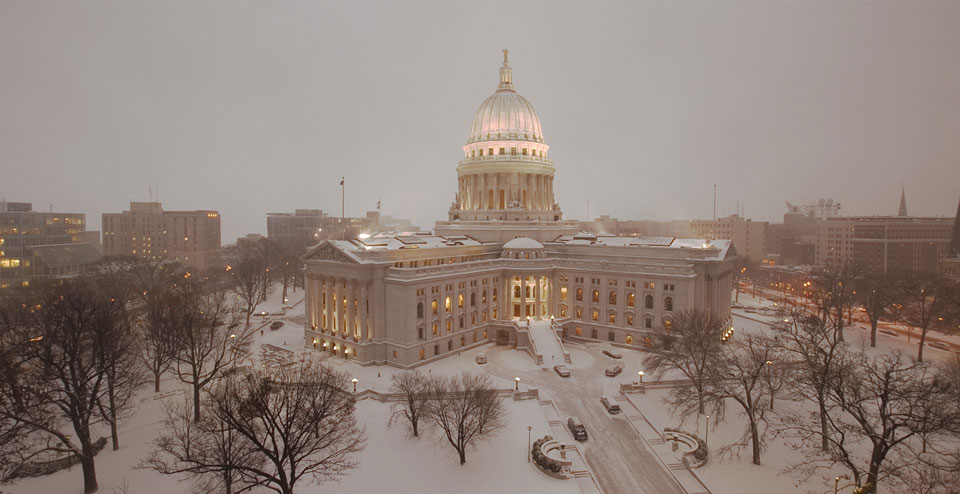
(719, 246)
(391, 241)
(523, 243)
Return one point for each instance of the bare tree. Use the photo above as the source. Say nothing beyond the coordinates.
(286, 267)
(834, 290)
(299, 420)
(691, 347)
(815, 346)
(743, 365)
(206, 451)
(250, 269)
(466, 409)
(877, 293)
(880, 406)
(924, 302)
(209, 338)
(153, 284)
(58, 373)
(120, 358)
(414, 387)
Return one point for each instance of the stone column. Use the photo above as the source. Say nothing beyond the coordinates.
(523, 297)
(536, 292)
(364, 330)
(325, 305)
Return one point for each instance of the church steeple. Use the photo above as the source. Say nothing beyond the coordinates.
(954, 251)
(903, 202)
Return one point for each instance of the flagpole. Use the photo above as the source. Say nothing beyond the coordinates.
(343, 202)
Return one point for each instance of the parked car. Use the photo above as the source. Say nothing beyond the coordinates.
(481, 358)
(577, 429)
(888, 332)
(276, 325)
(612, 353)
(940, 345)
(610, 403)
(562, 370)
(613, 370)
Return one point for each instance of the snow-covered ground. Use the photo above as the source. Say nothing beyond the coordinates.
(394, 461)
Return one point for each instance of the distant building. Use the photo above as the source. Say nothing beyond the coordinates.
(950, 265)
(882, 244)
(605, 225)
(36, 245)
(147, 231)
(749, 237)
(305, 228)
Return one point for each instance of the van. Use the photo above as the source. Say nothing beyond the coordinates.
(481, 358)
(610, 403)
(577, 429)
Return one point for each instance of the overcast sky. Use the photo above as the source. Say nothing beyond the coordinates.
(249, 108)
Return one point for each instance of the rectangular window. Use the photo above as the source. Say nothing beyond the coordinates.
(503, 151)
(610, 336)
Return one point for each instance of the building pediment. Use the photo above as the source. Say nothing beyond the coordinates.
(328, 252)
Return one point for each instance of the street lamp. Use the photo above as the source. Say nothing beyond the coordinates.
(641, 374)
(529, 429)
(355, 381)
(516, 380)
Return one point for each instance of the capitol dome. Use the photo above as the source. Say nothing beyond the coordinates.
(505, 115)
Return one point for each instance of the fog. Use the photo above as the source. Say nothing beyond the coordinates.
(249, 108)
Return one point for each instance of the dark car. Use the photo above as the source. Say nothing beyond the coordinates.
(276, 325)
(577, 429)
(612, 353)
(940, 345)
(613, 370)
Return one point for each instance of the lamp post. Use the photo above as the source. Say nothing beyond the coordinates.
(641, 374)
(516, 387)
(529, 432)
(355, 381)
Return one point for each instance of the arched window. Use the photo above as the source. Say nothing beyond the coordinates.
(446, 304)
(473, 299)
(596, 296)
(483, 297)
(648, 302)
(612, 298)
(579, 294)
(433, 307)
(668, 304)
(494, 296)
(420, 310)
(529, 295)
(503, 199)
(629, 339)
(460, 301)
(630, 299)
(516, 291)
(490, 199)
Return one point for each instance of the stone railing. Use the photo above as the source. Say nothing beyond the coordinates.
(694, 453)
(527, 394)
(566, 355)
(550, 456)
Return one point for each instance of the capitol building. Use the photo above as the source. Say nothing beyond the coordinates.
(504, 256)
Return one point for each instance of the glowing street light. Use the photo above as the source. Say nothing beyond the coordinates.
(355, 381)
(516, 381)
(641, 374)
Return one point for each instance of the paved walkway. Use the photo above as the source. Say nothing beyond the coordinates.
(547, 343)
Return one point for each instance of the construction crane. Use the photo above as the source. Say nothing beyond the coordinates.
(824, 208)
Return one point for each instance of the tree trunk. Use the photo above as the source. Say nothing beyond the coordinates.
(873, 331)
(755, 438)
(156, 382)
(111, 392)
(196, 402)
(89, 471)
(249, 313)
(463, 455)
(825, 444)
(414, 424)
